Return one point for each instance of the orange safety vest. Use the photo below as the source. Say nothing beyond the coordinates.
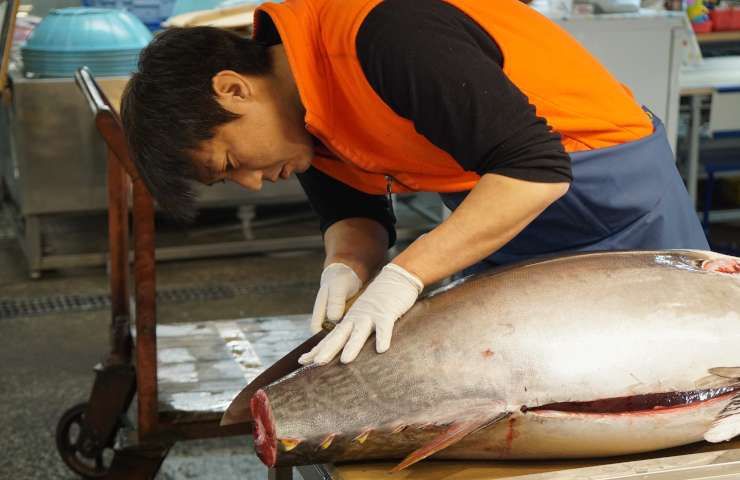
(376, 148)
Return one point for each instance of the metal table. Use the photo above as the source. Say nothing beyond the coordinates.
(718, 37)
(700, 461)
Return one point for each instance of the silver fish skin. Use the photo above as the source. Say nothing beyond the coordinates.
(586, 355)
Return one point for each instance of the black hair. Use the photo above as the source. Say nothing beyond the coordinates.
(169, 108)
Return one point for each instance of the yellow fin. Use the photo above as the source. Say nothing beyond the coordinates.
(289, 443)
(327, 441)
(362, 437)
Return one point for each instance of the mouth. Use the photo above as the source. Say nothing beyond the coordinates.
(274, 175)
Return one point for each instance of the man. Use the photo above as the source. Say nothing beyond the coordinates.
(531, 142)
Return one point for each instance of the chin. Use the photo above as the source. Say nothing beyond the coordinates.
(303, 167)
(304, 163)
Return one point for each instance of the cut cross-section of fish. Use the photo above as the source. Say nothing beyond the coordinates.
(265, 440)
(723, 265)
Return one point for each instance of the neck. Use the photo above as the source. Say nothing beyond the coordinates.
(284, 77)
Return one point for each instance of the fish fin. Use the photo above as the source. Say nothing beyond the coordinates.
(720, 377)
(456, 432)
(726, 372)
(715, 381)
(727, 425)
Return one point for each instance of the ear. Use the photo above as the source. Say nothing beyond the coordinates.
(232, 90)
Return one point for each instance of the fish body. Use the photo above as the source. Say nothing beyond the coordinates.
(587, 355)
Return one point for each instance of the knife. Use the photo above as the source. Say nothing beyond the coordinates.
(239, 410)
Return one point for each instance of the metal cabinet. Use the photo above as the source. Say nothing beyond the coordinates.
(644, 51)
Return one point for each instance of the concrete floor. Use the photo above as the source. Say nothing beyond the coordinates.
(46, 361)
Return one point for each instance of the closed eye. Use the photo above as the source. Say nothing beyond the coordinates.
(223, 175)
(231, 163)
(229, 166)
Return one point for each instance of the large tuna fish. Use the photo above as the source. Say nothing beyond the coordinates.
(588, 355)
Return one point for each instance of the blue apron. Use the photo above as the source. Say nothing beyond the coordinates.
(626, 197)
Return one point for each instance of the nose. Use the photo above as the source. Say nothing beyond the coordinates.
(249, 180)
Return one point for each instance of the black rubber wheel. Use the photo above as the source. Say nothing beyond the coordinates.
(67, 439)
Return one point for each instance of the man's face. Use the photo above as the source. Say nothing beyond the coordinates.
(267, 142)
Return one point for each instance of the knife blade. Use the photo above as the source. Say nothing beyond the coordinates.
(239, 410)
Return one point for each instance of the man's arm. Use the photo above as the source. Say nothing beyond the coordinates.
(468, 236)
(359, 243)
(357, 227)
(464, 238)
(435, 66)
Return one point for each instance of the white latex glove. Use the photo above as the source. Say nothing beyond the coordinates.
(391, 294)
(338, 283)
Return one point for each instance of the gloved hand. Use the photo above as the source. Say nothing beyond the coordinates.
(338, 283)
(391, 294)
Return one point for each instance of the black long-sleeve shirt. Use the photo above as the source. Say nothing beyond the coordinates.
(435, 66)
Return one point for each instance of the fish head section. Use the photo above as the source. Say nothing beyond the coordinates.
(356, 411)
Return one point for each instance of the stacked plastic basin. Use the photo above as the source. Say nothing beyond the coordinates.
(186, 6)
(105, 40)
(151, 12)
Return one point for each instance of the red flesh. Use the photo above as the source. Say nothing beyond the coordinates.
(723, 265)
(265, 441)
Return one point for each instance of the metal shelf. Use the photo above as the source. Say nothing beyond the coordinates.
(718, 37)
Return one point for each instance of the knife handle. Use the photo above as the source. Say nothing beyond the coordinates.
(328, 325)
